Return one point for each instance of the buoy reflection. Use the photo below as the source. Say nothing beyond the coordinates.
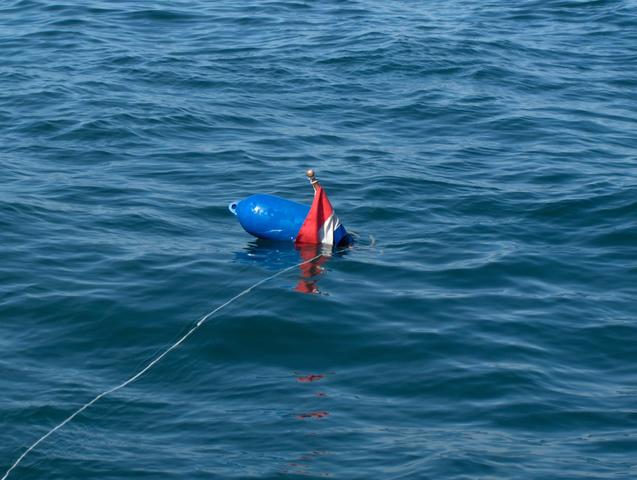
(280, 255)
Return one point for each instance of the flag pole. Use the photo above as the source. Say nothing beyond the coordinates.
(312, 178)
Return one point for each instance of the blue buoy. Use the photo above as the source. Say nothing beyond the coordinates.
(269, 216)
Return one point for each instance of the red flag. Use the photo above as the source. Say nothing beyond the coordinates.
(321, 222)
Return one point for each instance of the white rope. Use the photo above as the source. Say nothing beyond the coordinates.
(152, 363)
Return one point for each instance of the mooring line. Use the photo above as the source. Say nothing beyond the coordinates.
(152, 363)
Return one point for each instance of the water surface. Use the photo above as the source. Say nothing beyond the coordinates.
(483, 326)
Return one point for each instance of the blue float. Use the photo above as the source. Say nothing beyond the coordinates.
(275, 218)
(269, 216)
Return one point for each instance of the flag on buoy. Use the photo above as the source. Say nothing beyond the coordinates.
(321, 225)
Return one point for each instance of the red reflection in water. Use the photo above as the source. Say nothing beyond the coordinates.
(313, 415)
(312, 270)
(310, 378)
(302, 465)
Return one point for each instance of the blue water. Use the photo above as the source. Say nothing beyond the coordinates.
(484, 325)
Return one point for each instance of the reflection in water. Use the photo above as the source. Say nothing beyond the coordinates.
(310, 378)
(279, 255)
(310, 463)
(302, 466)
(311, 271)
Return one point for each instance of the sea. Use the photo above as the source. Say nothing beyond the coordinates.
(483, 155)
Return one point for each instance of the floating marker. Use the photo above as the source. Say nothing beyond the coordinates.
(275, 218)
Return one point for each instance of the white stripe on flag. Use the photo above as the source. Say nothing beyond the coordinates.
(326, 233)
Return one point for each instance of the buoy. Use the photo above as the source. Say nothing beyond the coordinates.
(275, 218)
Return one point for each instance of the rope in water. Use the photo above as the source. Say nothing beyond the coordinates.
(152, 363)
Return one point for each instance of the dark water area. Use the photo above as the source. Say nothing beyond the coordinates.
(483, 326)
